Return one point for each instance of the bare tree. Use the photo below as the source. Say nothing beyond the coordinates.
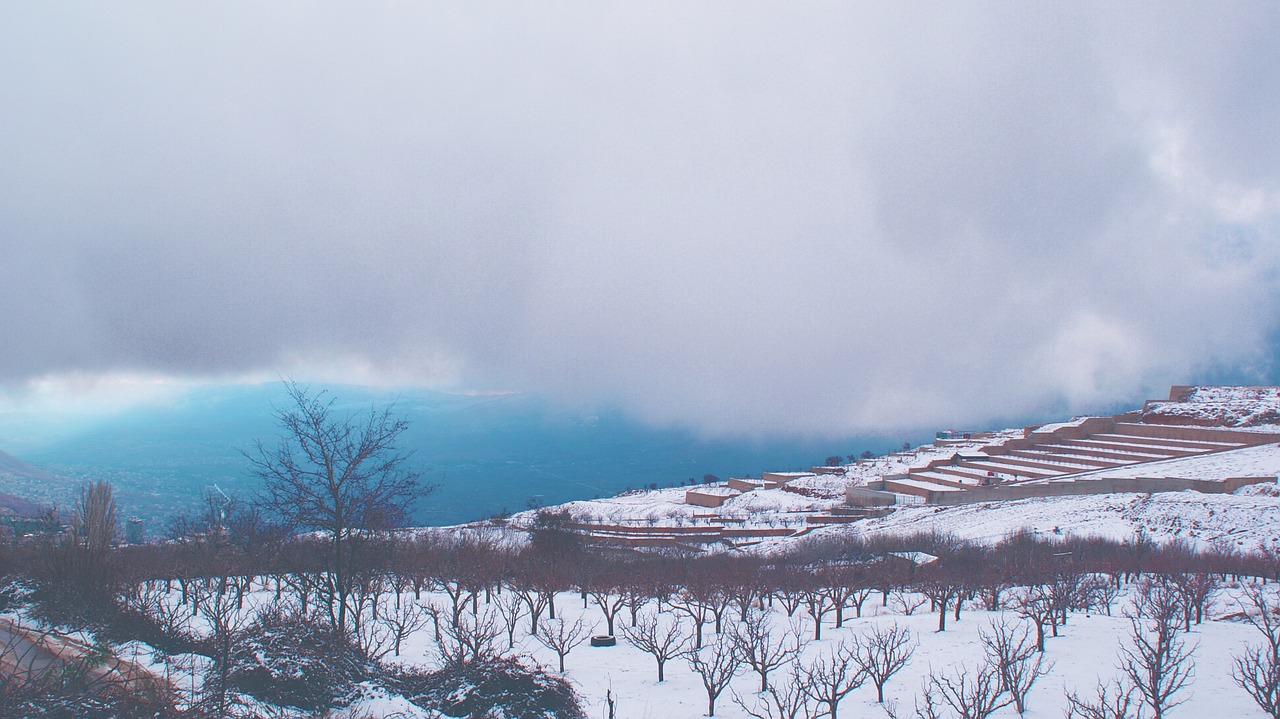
(941, 589)
(716, 664)
(96, 517)
(537, 596)
(829, 678)
(1035, 604)
(817, 602)
(218, 607)
(1012, 652)
(790, 596)
(788, 701)
(695, 604)
(402, 618)
(858, 596)
(971, 693)
(471, 638)
(373, 637)
(512, 608)
(340, 475)
(611, 600)
(1257, 668)
(839, 590)
(561, 636)
(1157, 660)
(1102, 592)
(907, 602)
(762, 649)
(637, 595)
(663, 640)
(1196, 591)
(1068, 590)
(746, 590)
(992, 583)
(1114, 701)
(883, 652)
(457, 592)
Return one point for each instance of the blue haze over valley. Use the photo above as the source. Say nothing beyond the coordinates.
(485, 453)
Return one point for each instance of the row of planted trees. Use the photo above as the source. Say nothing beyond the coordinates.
(476, 592)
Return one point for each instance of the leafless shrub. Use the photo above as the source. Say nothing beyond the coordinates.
(402, 618)
(1114, 701)
(906, 602)
(970, 693)
(469, 638)
(786, 701)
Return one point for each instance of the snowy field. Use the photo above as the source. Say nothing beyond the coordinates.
(1245, 520)
(1251, 408)
(1085, 653)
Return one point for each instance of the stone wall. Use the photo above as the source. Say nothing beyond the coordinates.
(1111, 485)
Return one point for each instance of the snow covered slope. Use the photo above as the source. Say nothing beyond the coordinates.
(1246, 519)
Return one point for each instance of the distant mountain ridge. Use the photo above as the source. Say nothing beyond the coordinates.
(13, 469)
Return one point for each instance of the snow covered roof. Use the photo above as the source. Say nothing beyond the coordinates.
(917, 558)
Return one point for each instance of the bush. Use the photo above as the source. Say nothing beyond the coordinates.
(297, 662)
(72, 692)
(497, 689)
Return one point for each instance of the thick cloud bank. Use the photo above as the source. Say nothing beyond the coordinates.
(739, 216)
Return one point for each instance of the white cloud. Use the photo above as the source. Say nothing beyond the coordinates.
(739, 217)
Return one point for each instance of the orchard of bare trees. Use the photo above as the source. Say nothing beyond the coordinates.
(798, 635)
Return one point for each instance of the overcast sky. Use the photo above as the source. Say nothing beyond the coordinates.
(739, 217)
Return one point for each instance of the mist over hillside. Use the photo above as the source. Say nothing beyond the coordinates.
(486, 453)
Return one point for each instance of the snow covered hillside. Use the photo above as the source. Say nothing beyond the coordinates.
(812, 505)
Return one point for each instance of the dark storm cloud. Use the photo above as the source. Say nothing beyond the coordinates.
(740, 217)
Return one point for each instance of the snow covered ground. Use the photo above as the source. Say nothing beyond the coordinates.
(1260, 461)
(1252, 408)
(1244, 520)
(1083, 654)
